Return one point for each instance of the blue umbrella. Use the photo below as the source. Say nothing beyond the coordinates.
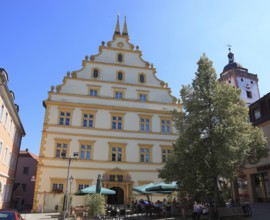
(98, 186)
(142, 189)
(162, 187)
(93, 189)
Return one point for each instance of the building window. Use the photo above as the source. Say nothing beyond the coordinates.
(95, 73)
(120, 76)
(166, 152)
(120, 57)
(6, 119)
(64, 118)
(61, 149)
(5, 156)
(93, 92)
(10, 126)
(1, 112)
(6, 193)
(85, 151)
(251, 82)
(82, 186)
(112, 178)
(117, 152)
(257, 113)
(57, 187)
(145, 123)
(24, 187)
(1, 145)
(143, 97)
(118, 95)
(249, 94)
(145, 154)
(166, 125)
(25, 170)
(142, 78)
(242, 80)
(117, 121)
(88, 120)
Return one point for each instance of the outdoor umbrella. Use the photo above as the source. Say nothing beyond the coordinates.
(162, 187)
(93, 189)
(142, 189)
(98, 186)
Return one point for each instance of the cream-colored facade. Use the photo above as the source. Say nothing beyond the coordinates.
(11, 133)
(115, 113)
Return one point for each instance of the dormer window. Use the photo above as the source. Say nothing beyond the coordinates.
(257, 113)
(120, 57)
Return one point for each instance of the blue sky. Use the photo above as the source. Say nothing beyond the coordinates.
(41, 40)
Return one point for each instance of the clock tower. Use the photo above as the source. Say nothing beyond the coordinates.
(236, 75)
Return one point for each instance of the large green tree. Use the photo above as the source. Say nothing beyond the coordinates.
(215, 136)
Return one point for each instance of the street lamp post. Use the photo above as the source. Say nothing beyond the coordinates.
(71, 178)
(66, 192)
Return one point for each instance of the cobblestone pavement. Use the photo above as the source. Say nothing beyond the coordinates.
(260, 211)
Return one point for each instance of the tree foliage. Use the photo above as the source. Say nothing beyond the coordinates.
(215, 135)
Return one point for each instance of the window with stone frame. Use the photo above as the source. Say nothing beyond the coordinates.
(145, 123)
(61, 148)
(57, 187)
(64, 118)
(82, 186)
(88, 120)
(117, 121)
(86, 149)
(166, 152)
(166, 125)
(117, 152)
(145, 153)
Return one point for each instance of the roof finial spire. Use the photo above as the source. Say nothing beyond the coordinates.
(125, 30)
(230, 54)
(117, 27)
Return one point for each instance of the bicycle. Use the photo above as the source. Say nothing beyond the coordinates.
(247, 209)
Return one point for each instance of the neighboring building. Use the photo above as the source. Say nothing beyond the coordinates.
(11, 133)
(234, 74)
(23, 192)
(258, 176)
(115, 113)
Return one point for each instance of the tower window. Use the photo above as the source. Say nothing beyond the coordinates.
(249, 94)
(242, 80)
(251, 82)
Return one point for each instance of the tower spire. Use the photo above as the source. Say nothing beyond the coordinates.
(117, 27)
(125, 30)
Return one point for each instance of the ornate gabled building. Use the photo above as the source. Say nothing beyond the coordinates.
(11, 133)
(235, 74)
(114, 113)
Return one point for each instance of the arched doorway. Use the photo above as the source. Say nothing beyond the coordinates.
(118, 198)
